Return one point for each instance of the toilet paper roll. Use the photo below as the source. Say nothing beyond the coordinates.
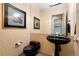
(19, 43)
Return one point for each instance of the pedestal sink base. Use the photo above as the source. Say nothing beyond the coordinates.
(57, 49)
(58, 40)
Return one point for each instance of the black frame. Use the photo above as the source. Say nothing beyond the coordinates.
(6, 5)
(35, 18)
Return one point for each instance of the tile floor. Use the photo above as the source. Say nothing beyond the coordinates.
(39, 54)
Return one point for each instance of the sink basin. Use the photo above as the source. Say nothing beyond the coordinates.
(58, 39)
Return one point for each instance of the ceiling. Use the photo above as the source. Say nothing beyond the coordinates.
(44, 6)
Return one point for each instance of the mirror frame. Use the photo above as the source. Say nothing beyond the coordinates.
(66, 21)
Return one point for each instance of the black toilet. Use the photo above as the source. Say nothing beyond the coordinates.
(32, 49)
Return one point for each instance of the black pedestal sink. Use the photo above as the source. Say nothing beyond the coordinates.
(58, 40)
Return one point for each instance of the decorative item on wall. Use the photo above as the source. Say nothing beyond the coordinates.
(68, 27)
(75, 29)
(14, 17)
(36, 23)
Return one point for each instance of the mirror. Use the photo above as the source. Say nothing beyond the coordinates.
(60, 24)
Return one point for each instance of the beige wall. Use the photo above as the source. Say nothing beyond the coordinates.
(46, 47)
(45, 29)
(72, 16)
(47, 16)
(76, 45)
(8, 36)
(68, 49)
(19, 35)
(36, 34)
(71, 48)
(35, 12)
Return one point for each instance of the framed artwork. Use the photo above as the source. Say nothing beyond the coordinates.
(14, 17)
(36, 23)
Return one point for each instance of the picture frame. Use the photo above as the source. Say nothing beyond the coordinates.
(36, 23)
(14, 17)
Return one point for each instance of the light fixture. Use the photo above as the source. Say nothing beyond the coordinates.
(53, 4)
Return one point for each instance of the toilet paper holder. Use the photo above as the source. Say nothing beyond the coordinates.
(18, 44)
(77, 40)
